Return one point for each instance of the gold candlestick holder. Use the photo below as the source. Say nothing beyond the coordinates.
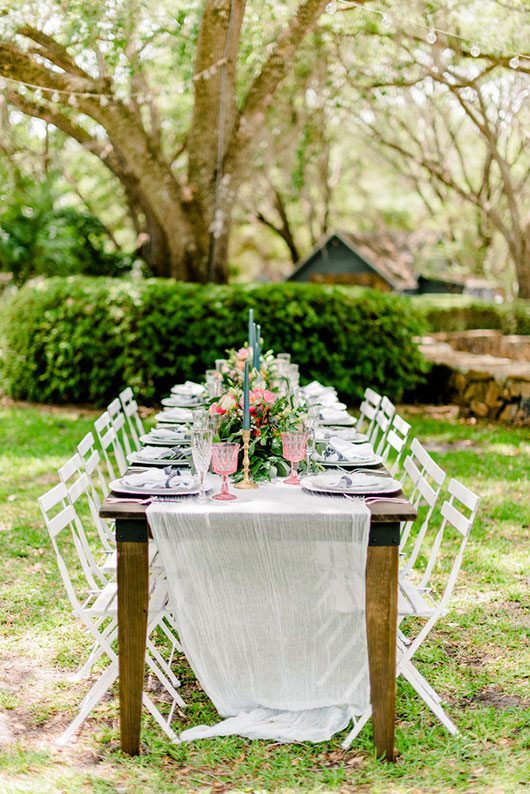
(246, 482)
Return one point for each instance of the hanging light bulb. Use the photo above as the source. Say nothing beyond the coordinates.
(3, 83)
(72, 100)
(431, 37)
(103, 101)
(331, 8)
(475, 50)
(386, 21)
(55, 97)
(514, 62)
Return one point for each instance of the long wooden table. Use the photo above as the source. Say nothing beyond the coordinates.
(132, 538)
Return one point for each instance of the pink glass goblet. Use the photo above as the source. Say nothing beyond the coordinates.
(294, 450)
(224, 462)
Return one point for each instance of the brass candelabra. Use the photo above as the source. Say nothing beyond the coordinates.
(247, 481)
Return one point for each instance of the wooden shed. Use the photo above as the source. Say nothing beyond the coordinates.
(362, 260)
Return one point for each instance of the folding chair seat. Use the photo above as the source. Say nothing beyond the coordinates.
(393, 446)
(132, 417)
(368, 411)
(110, 446)
(97, 610)
(425, 595)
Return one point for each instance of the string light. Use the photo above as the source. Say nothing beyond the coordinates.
(476, 47)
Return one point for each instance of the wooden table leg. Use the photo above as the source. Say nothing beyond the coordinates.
(381, 627)
(133, 582)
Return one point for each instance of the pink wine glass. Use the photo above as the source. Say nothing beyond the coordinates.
(224, 462)
(294, 450)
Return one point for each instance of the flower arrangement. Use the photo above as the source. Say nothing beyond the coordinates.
(232, 373)
(269, 415)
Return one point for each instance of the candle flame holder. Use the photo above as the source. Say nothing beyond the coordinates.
(247, 481)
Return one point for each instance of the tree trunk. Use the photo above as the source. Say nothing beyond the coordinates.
(522, 265)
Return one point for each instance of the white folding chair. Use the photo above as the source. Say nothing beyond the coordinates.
(392, 447)
(110, 446)
(427, 598)
(369, 408)
(117, 418)
(92, 463)
(381, 426)
(423, 480)
(97, 609)
(134, 422)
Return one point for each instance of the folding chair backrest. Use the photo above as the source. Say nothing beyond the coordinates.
(369, 408)
(111, 449)
(130, 409)
(62, 524)
(423, 479)
(92, 463)
(80, 491)
(117, 418)
(381, 427)
(393, 448)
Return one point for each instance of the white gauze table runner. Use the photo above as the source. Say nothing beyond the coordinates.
(269, 597)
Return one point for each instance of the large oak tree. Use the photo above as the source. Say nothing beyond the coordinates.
(181, 180)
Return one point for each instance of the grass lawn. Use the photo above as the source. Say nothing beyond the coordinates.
(476, 657)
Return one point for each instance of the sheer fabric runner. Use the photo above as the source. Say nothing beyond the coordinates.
(269, 596)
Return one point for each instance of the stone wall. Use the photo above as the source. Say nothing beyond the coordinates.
(482, 384)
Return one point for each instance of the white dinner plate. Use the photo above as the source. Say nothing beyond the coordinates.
(181, 401)
(375, 460)
(174, 416)
(363, 484)
(341, 421)
(183, 459)
(155, 441)
(121, 487)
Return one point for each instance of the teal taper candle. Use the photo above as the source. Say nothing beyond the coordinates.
(246, 400)
(251, 329)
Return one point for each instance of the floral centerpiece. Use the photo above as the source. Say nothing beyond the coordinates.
(232, 372)
(270, 414)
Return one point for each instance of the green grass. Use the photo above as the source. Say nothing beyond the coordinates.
(476, 657)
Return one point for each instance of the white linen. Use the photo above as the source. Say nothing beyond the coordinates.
(170, 435)
(269, 595)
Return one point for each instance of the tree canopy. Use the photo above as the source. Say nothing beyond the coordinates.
(203, 134)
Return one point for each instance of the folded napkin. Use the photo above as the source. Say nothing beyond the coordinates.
(170, 434)
(328, 401)
(181, 400)
(314, 388)
(329, 414)
(160, 478)
(346, 433)
(161, 453)
(190, 388)
(357, 480)
(176, 415)
(345, 450)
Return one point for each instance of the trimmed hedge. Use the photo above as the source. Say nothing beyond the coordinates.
(461, 313)
(81, 339)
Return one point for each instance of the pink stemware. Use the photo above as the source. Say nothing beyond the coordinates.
(294, 450)
(224, 462)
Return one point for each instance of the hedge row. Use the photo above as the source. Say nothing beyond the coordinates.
(456, 313)
(81, 339)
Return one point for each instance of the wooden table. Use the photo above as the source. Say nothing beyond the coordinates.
(132, 537)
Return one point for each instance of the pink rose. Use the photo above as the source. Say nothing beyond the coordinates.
(215, 409)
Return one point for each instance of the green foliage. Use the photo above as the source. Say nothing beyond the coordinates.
(78, 339)
(38, 238)
(460, 313)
